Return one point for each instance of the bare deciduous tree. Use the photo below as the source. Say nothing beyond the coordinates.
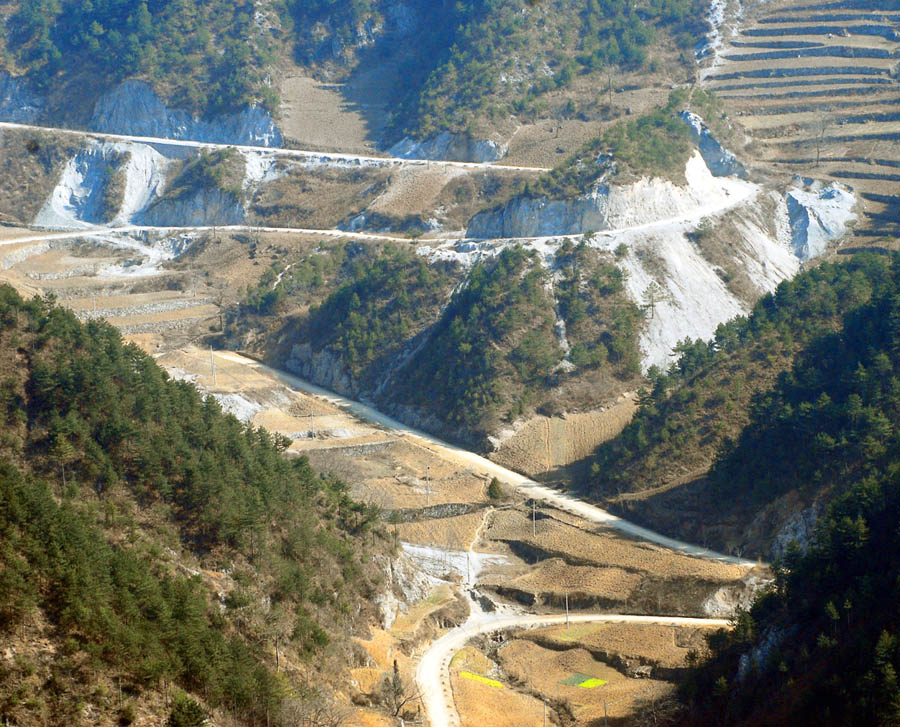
(316, 711)
(396, 693)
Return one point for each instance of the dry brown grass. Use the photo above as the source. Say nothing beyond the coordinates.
(453, 532)
(666, 646)
(547, 443)
(317, 198)
(480, 705)
(30, 165)
(602, 547)
(542, 670)
(555, 576)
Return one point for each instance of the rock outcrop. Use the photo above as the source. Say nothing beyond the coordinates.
(450, 147)
(322, 368)
(81, 199)
(17, 103)
(819, 213)
(603, 207)
(202, 206)
(133, 108)
(721, 162)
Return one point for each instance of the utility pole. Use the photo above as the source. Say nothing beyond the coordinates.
(533, 520)
(212, 364)
(427, 483)
(567, 609)
(312, 418)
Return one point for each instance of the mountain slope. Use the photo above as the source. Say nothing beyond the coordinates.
(706, 398)
(115, 482)
(822, 648)
(204, 57)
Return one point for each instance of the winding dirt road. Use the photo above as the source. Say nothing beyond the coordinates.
(433, 672)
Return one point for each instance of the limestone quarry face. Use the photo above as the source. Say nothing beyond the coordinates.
(649, 226)
(607, 207)
(77, 199)
(201, 207)
(133, 108)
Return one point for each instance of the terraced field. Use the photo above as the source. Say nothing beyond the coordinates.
(816, 87)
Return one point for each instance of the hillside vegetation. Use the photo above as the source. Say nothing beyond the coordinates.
(472, 357)
(705, 397)
(655, 144)
(482, 60)
(824, 643)
(149, 540)
(368, 319)
(207, 57)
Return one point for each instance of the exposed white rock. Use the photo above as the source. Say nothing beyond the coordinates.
(77, 200)
(721, 162)
(200, 207)
(724, 19)
(448, 565)
(405, 584)
(145, 179)
(819, 214)
(611, 206)
(133, 108)
(261, 168)
(798, 529)
(725, 602)
(238, 405)
(450, 147)
(651, 220)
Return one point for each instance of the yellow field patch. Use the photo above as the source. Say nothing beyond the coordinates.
(480, 679)
(592, 683)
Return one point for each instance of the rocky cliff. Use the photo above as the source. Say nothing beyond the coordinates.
(449, 147)
(17, 103)
(133, 108)
(203, 206)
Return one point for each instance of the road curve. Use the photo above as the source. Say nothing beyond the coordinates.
(480, 464)
(433, 672)
(315, 156)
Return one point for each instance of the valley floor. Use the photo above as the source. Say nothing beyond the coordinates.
(512, 564)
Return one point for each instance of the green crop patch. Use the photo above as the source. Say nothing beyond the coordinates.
(583, 680)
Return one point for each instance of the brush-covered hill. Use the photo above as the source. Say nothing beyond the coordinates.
(822, 648)
(205, 57)
(477, 62)
(152, 547)
(657, 468)
(473, 69)
(462, 352)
